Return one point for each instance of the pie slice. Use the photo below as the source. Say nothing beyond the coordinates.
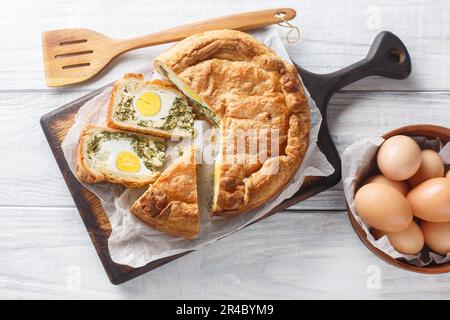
(153, 107)
(120, 157)
(256, 100)
(170, 204)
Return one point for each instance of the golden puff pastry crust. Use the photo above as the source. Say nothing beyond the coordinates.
(170, 204)
(88, 173)
(247, 86)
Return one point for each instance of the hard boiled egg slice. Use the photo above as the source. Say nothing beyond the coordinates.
(154, 105)
(200, 104)
(127, 161)
(180, 84)
(119, 157)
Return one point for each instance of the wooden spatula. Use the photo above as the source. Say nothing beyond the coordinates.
(76, 55)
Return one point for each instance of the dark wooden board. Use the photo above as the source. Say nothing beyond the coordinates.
(387, 57)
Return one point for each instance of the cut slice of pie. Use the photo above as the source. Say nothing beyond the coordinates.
(153, 107)
(171, 204)
(199, 104)
(120, 157)
(258, 102)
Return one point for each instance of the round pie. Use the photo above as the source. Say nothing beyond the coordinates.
(256, 101)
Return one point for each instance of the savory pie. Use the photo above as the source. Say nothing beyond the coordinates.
(152, 107)
(254, 98)
(170, 204)
(119, 157)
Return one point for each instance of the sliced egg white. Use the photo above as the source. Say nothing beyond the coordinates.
(182, 86)
(217, 163)
(119, 157)
(202, 107)
(153, 104)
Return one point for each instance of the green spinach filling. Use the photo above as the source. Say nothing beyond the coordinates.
(164, 72)
(204, 111)
(151, 152)
(125, 110)
(180, 115)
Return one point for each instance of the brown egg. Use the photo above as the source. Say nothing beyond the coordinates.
(399, 158)
(400, 186)
(432, 166)
(448, 174)
(437, 236)
(383, 207)
(408, 241)
(430, 200)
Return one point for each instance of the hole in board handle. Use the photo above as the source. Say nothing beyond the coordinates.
(397, 56)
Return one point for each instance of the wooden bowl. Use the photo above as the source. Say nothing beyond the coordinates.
(429, 131)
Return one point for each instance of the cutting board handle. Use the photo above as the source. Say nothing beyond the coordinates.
(387, 57)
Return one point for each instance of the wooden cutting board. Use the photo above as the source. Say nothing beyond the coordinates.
(387, 57)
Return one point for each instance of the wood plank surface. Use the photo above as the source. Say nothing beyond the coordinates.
(352, 116)
(329, 41)
(289, 255)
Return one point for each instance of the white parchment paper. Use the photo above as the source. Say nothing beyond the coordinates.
(358, 161)
(135, 244)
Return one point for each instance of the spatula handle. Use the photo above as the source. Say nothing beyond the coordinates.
(240, 21)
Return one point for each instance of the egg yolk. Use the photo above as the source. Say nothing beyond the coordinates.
(128, 162)
(191, 94)
(216, 172)
(148, 104)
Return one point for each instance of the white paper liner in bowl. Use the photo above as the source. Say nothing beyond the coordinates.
(135, 244)
(358, 161)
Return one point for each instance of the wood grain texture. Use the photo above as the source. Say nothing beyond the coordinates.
(378, 61)
(57, 123)
(352, 116)
(303, 259)
(329, 41)
(314, 257)
(74, 55)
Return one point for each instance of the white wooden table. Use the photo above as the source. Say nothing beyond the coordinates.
(309, 251)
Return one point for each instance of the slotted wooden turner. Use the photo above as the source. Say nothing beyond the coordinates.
(76, 55)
